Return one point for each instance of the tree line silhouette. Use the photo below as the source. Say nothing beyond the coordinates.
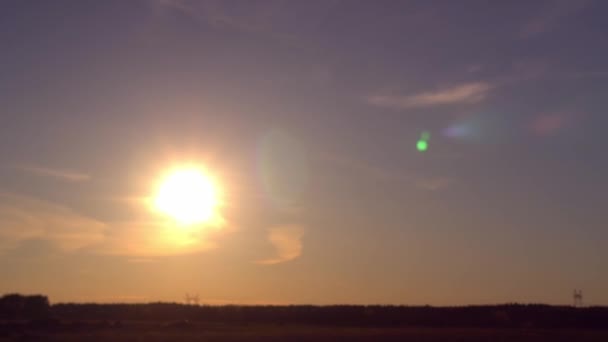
(19, 307)
(16, 306)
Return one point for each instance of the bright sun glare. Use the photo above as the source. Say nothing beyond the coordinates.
(188, 195)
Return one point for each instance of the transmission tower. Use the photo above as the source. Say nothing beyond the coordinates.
(578, 298)
(191, 300)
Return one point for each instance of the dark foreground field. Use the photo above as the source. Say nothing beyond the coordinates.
(32, 318)
(146, 332)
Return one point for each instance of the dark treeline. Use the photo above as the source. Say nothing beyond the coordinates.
(537, 316)
(504, 316)
(16, 306)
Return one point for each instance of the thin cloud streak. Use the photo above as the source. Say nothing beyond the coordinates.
(216, 16)
(467, 93)
(287, 240)
(25, 218)
(150, 238)
(61, 174)
(270, 19)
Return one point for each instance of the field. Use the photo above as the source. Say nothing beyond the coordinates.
(136, 332)
(32, 318)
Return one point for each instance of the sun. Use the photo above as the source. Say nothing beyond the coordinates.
(188, 195)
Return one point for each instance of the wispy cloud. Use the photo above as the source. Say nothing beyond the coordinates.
(287, 240)
(218, 16)
(24, 219)
(258, 18)
(151, 238)
(464, 93)
(272, 19)
(61, 174)
(551, 16)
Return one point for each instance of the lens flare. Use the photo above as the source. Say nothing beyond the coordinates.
(422, 145)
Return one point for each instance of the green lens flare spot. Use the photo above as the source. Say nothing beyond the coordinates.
(422, 145)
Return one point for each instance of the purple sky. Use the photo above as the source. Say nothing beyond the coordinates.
(307, 113)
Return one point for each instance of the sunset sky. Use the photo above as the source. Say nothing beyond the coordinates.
(305, 116)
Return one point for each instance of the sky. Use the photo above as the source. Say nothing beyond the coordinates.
(307, 115)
